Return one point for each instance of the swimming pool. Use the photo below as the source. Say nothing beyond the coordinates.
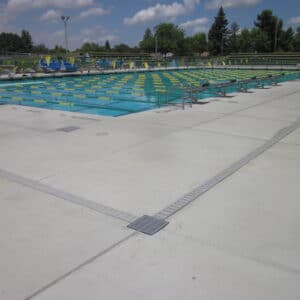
(119, 94)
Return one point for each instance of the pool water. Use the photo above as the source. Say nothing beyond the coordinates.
(119, 94)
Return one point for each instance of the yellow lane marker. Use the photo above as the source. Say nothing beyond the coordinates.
(66, 103)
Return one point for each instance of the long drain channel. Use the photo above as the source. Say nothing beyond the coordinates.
(145, 222)
(152, 224)
(205, 187)
(35, 185)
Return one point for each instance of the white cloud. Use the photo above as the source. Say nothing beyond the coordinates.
(295, 20)
(194, 23)
(161, 11)
(97, 34)
(16, 6)
(94, 11)
(195, 26)
(12, 8)
(231, 3)
(51, 15)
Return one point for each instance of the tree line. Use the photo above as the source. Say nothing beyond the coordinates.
(12, 42)
(267, 35)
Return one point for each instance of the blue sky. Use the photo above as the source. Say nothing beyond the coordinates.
(125, 21)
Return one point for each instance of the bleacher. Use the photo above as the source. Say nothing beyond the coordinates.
(277, 59)
(27, 63)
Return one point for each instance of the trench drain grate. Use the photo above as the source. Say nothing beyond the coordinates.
(148, 225)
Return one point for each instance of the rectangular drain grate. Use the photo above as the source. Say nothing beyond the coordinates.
(68, 128)
(148, 225)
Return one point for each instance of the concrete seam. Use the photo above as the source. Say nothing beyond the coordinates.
(231, 134)
(80, 266)
(233, 253)
(100, 208)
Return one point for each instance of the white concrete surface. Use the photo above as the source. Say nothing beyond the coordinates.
(238, 241)
(43, 237)
(170, 266)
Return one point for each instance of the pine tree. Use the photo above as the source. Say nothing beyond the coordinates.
(107, 46)
(26, 40)
(218, 34)
(148, 42)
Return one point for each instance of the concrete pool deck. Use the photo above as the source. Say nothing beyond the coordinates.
(67, 197)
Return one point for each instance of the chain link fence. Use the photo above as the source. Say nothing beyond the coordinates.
(22, 62)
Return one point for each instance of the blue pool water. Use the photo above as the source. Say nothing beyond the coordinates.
(118, 94)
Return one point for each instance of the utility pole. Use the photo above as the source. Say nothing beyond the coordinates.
(276, 34)
(65, 19)
(156, 41)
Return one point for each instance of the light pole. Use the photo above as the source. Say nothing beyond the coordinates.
(156, 41)
(65, 19)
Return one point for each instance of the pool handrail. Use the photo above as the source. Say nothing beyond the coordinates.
(221, 87)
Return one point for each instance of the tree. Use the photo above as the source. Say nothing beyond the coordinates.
(26, 41)
(196, 43)
(148, 43)
(122, 48)
(91, 47)
(296, 41)
(286, 40)
(107, 46)
(261, 42)
(232, 40)
(58, 50)
(170, 38)
(245, 44)
(271, 25)
(253, 40)
(10, 42)
(218, 32)
(40, 48)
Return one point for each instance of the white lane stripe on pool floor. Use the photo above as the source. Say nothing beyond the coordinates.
(21, 83)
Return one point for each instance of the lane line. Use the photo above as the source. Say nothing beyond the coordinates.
(21, 83)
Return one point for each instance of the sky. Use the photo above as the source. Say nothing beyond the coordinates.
(125, 21)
